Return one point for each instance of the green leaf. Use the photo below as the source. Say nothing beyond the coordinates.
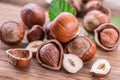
(58, 6)
(116, 21)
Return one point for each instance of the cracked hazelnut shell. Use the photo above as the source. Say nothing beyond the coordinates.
(83, 47)
(50, 54)
(94, 19)
(19, 57)
(64, 27)
(35, 33)
(107, 36)
(32, 14)
(12, 32)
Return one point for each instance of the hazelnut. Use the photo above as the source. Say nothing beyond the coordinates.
(12, 32)
(72, 63)
(83, 47)
(96, 5)
(19, 57)
(35, 33)
(100, 68)
(33, 47)
(32, 14)
(93, 19)
(107, 36)
(86, 1)
(50, 54)
(64, 28)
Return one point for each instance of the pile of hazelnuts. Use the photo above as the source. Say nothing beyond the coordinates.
(58, 44)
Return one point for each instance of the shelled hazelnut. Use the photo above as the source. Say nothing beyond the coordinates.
(50, 54)
(107, 36)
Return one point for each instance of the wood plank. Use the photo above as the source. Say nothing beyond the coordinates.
(35, 72)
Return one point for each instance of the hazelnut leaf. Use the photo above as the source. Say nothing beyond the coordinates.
(58, 6)
(116, 21)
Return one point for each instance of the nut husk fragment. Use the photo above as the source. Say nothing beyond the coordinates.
(107, 36)
(50, 54)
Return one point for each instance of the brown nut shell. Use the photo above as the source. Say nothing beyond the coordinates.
(83, 47)
(12, 32)
(93, 19)
(35, 33)
(64, 27)
(107, 36)
(19, 57)
(51, 56)
(96, 5)
(33, 14)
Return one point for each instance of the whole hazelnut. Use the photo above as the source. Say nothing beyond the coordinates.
(35, 33)
(12, 32)
(83, 47)
(96, 5)
(64, 28)
(107, 36)
(50, 54)
(93, 19)
(32, 14)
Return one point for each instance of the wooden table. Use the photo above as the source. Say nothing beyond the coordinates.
(35, 72)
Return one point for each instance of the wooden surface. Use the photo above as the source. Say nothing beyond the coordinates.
(35, 72)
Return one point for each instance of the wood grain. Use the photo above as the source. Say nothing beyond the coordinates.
(35, 72)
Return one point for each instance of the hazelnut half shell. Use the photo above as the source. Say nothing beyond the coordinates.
(12, 32)
(107, 36)
(93, 19)
(64, 28)
(32, 14)
(83, 47)
(35, 33)
(50, 54)
(19, 57)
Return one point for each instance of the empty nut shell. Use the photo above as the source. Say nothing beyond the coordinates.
(83, 47)
(50, 54)
(35, 33)
(107, 36)
(12, 32)
(19, 57)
